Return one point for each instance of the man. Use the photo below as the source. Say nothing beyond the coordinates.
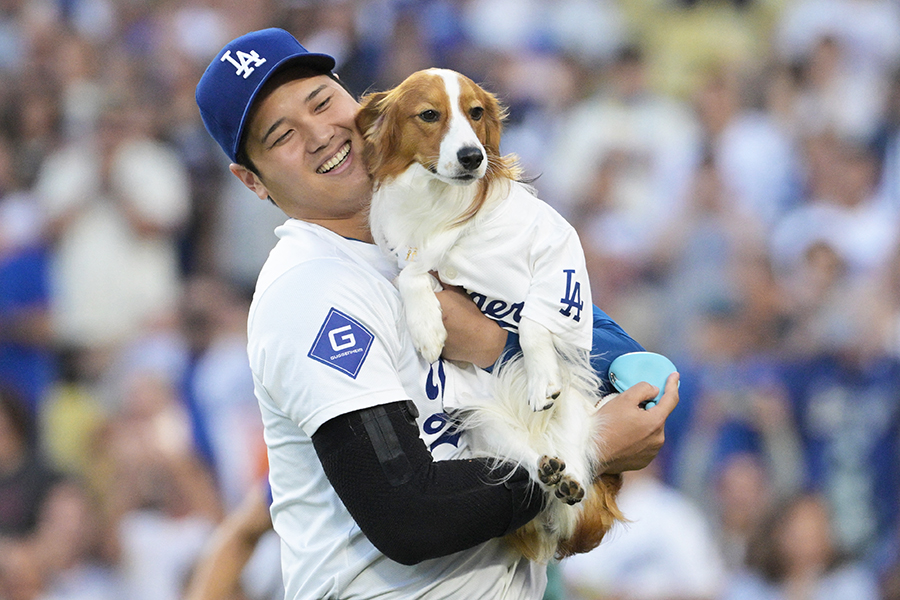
(370, 495)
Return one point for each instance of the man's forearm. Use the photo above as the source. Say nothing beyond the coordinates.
(411, 507)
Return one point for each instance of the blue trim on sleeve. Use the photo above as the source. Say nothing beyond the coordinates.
(610, 341)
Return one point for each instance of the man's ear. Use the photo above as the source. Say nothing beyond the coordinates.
(250, 179)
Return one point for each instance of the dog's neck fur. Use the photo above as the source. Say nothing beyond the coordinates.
(412, 208)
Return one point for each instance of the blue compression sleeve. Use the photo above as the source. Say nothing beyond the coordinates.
(610, 341)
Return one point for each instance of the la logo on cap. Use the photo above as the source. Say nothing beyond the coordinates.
(244, 63)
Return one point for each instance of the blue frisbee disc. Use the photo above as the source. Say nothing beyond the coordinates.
(629, 369)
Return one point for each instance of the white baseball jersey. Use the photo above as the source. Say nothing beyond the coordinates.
(524, 259)
(326, 337)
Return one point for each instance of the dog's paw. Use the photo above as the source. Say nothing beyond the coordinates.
(429, 338)
(542, 392)
(431, 344)
(569, 490)
(550, 470)
(426, 328)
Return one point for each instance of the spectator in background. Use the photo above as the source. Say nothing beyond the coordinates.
(828, 306)
(684, 39)
(20, 573)
(793, 557)
(886, 145)
(26, 480)
(51, 532)
(159, 495)
(34, 120)
(751, 148)
(842, 384)
(883, 304)
(743, 490)
(834, 97)
(841, 211)
(848, 49)
(243, 233)
(869, 29)
(646, 141)
(667, 550)
(218, 386)
(218, 573)
(70, 546)
(735, 404)
(26, 359)
(113, 203)
(618, 168)
(699, 254)
(844, 401)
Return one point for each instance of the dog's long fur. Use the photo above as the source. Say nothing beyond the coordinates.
(429, 193)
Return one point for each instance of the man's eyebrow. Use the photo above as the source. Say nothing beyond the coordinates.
(316, 92)
(275, 125)
(272, 129)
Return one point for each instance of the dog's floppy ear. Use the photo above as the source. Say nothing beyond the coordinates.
(371, 109)
(494, 115)
(379, 132)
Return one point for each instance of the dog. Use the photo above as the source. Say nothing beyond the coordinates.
(446, 201)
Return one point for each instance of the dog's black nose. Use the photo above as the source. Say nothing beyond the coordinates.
(470, 157)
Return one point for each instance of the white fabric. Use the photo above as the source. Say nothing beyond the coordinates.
(312, 283)
(521, 252)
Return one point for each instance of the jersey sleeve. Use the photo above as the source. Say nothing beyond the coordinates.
(559, 296)
(323, 342)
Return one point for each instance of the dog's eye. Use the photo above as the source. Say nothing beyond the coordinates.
(430, 115)
(476, 113)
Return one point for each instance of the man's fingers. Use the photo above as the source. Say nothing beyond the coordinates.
(639, 392)
(670, 396)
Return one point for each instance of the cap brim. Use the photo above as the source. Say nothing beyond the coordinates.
(316, 62)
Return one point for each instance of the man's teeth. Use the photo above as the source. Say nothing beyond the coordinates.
(335, 160)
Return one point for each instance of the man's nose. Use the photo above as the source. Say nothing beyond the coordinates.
(318, 136)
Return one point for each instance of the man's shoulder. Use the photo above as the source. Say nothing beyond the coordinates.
(308, 268)
(317, 253)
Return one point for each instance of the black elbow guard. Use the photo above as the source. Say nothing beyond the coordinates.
(409, 506)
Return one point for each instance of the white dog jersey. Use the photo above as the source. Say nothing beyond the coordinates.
(326, 337)
(524, 250)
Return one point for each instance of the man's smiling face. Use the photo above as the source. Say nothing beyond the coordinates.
(302, 139)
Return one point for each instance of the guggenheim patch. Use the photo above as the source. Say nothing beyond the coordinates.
(342, 343)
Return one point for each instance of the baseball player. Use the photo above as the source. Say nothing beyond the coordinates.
(369, 496)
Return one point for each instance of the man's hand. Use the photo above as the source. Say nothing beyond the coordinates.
(471, 336)
(632, 435)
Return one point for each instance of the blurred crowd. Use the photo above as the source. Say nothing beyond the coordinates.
(733, 169)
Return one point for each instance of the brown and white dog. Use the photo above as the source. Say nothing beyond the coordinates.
(443, 198)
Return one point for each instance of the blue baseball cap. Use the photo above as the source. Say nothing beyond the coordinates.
(233, 79)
